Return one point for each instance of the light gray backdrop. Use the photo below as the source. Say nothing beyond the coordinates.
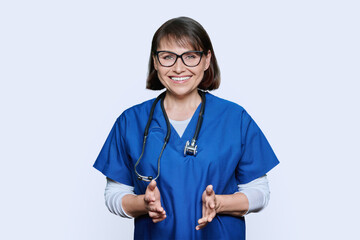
(69, 68)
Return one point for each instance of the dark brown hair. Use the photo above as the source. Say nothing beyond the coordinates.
(184, 31)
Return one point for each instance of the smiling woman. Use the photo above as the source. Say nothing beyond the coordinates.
(201, 191)
(184, 33)
(176, 76)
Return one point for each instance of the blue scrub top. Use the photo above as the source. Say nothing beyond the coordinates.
(232, 150)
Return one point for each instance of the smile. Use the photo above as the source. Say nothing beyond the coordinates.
(180, 78)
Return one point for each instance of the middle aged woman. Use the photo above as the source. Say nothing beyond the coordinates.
(212, 168)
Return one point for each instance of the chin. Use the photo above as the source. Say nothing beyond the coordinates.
(182, 92)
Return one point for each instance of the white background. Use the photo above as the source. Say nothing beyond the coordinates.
(69, 68)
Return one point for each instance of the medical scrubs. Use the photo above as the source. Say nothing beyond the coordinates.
(232, 150)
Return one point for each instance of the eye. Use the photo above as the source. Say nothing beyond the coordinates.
(166, 56)
(191, 56)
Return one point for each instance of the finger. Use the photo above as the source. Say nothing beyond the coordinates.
(148, 194)
(209, 189)
(156, 209)
(160, 210)
(152, 185)
(211, 216)
(202, 220)
(201, 226)
(211, 203)
(149, 198)
(156, 220)
(154, 215)
(208, 217)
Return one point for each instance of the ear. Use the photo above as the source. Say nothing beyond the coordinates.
(208, 60)
(155, 62)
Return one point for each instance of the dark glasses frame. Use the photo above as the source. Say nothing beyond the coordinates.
(179, 56)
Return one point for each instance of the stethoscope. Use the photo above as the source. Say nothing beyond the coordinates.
(190, 147)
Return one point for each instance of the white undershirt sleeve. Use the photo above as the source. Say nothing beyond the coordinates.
(114, 192)
(257, 193)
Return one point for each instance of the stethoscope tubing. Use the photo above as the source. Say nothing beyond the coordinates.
(167, 137)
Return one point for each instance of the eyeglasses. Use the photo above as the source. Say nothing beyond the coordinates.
(168, 59)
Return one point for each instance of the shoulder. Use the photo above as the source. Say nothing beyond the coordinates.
(134, 116)
(132, 119)
(221, 105)
(136, 110)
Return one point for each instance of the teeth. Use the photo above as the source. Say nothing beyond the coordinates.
(180, 78)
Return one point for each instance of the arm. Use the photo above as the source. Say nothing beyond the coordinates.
(236, 204)
(252, 197)
(114, 192)
(121, 200)
(257, 192)
(148, 203)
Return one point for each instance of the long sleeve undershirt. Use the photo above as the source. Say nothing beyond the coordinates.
(256, 191)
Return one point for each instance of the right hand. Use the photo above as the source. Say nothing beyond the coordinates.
(153, 203)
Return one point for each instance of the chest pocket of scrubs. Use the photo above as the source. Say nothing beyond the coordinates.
(148, 165)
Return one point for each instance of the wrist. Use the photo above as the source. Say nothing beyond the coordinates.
(218, 203)
(134, 205)
(233, 204)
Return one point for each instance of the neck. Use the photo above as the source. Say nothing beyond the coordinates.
(181, 108)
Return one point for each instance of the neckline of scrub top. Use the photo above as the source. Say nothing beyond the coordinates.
(180, 126)
(175, 140)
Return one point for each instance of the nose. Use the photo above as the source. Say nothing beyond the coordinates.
(179, 66)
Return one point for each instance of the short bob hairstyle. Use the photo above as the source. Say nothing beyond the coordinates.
(185, 32)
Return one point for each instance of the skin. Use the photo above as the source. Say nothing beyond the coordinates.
(180, 103)
(148, 203)
(182, 97)
(235, 204)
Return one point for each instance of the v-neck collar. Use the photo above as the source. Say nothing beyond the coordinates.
(180, 126)
(191, 126)
(175, 140)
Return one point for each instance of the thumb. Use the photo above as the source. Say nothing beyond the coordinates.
(209, 189)
(152, 185)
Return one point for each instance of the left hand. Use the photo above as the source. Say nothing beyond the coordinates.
(208, 207)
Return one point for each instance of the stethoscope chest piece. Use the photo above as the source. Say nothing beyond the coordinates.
(190, 149)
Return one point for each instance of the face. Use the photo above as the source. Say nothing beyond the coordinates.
(180, 80)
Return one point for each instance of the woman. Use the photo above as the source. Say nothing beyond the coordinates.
(213, 161)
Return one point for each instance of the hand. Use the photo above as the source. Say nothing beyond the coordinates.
(208, 207)
(153, 203)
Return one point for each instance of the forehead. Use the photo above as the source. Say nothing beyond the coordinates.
(181, 44)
